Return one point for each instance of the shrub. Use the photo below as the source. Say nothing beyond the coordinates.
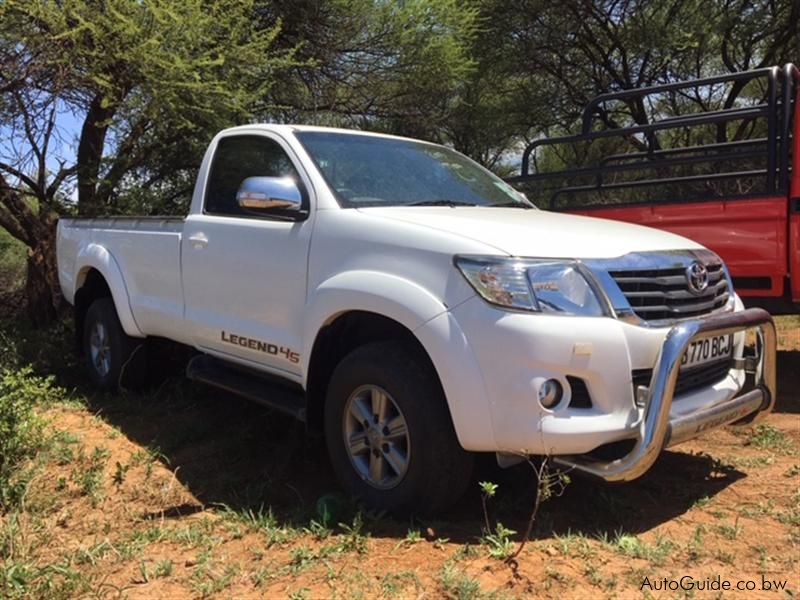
(21, 429)
(9, 353)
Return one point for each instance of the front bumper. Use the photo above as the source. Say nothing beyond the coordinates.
(657, 428)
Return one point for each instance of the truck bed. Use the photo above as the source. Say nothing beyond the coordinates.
(147, 250)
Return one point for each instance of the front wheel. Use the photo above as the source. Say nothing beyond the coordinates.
(389, 432)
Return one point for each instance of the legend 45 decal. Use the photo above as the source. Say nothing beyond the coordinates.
(265, 347)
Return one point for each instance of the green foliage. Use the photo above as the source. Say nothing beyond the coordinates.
(153, 81)
(23, 580)
(458, 585)
(631, 545)
(12, 263)
(353, 539)
(395, 584)
(49, 350)
(488, 489)
(262, 521)
(730, 532)
(770, 438)
(499, 543)
(375, 64)
(21, 429)
(88, 474)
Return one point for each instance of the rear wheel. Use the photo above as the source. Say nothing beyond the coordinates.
(389, 432)
(114, 358)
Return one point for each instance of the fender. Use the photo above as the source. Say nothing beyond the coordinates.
(94, 256)
(388, 295)
(428, 318)
(462, 381)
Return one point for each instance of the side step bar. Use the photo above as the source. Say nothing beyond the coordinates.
(248, 384)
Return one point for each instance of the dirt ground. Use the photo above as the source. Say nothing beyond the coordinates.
(185, 492)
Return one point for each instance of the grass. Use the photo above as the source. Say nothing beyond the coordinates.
(262, 575)
(256, 531)
(263, 521)
(353, 538)
(397, 584)
(694, 549)
(575, 545)
(727, 558)
(757, 511)
(12, 262)
(209, 578)
(301, 558)
(21, 428)
(88, 473)
(457, 585)
(498, 542)
(730, 532)
(92, 555)
(632, 546)
(792, 515)
(413, 536)
(752, 462)
(768, 437)
(53, 581)
(198, 534)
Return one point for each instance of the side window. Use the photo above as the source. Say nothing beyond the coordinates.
(236, 159)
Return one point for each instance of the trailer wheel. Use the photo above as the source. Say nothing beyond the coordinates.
(114, 359)
(389, 434)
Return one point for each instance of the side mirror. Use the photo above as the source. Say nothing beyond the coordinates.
(261, 193)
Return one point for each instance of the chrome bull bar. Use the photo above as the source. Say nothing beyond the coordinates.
(656, 430)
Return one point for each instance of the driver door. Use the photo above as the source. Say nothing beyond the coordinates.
(244, 273)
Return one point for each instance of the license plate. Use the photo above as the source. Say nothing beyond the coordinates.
(707, 350)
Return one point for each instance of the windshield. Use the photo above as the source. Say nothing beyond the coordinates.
(374, 171)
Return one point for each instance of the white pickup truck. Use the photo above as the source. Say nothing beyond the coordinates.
(419, 310)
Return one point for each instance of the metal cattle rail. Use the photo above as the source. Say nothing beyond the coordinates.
(774, 149)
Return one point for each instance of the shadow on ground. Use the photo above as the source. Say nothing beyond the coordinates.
(788, 382)
(228, 451)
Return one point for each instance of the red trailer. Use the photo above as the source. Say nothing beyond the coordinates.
(727, 177)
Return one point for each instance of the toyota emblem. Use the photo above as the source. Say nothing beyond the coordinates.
(697, 278)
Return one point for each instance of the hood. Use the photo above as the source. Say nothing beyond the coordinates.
(538, 233)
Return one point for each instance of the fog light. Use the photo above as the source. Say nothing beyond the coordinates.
(550, 393)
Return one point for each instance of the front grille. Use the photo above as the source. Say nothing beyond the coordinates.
(689, 379)
(660, 294)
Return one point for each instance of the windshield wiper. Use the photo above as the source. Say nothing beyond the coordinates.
(512, 204)
(442, 202)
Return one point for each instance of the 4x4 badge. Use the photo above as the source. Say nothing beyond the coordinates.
(697, 278)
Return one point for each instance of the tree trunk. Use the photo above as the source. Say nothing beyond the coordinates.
(42, 290)
(90, 154)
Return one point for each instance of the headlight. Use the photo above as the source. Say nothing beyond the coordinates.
(547, 285)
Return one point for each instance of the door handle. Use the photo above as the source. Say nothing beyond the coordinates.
(198, 240)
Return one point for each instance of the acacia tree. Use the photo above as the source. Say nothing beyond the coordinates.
(145, 80)
(537, 63)
(583, 48)
(377, 64)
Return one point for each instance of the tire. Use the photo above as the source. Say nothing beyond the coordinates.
(114, 359)
(436, 469)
